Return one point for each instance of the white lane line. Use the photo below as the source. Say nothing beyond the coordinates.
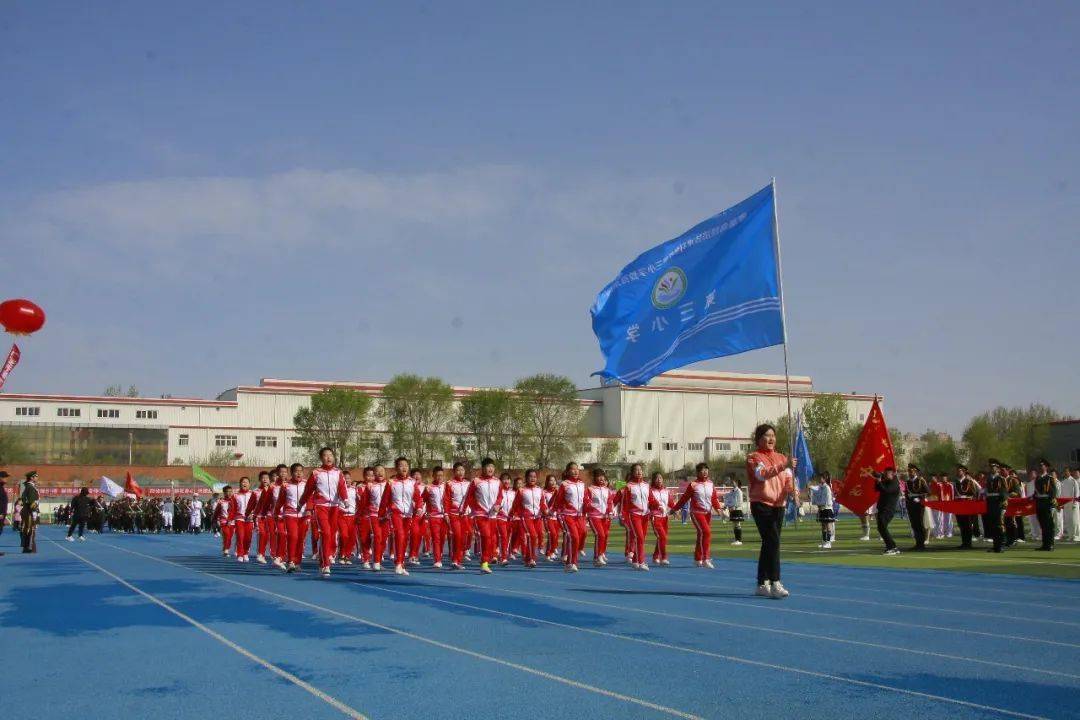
(285, 674)
(436, 643)
(779, 607)
(706, 653)
(744, 626)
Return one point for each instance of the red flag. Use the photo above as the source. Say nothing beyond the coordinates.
(132, 487)
(873, 453)
(9, 364)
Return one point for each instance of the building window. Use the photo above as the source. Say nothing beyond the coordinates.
(862, 417)
(146, 414)
(631, 453)
(30, 411)
(584, 447)
(466, 445)
(671, 446)
(300, 442)
(648, 446)
(182, 440)
(746, 447)
(695, 446)
(721, 446)
(265, 441)
(68, 412)
(225, 441)
(102, 413)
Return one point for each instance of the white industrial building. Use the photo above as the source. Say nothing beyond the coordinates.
(680, 417)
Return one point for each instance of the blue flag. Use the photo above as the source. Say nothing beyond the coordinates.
(804, 470)
(711, 292)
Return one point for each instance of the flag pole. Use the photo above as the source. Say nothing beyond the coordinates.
(783, 314)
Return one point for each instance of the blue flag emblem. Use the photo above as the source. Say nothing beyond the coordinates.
(711, 292)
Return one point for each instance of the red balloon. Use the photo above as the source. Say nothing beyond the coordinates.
(21, 317)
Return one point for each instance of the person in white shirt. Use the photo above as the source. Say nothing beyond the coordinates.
(167, 514)
(195, 521)
(821, 497)
(733, 504)
(1070, 487)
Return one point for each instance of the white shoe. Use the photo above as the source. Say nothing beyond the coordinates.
(865, 538)
(764, 590)
(737, 542)
(826, 546)
(643, 566)
(70, 539)
(260, 559)
(325, 572)
(665, 561)
(400, 570)
(779, 591)
(708, 564)
(437, 565)
(376, 567)
(699, 563)
(573, 567)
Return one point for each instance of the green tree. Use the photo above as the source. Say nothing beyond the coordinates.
(419, 414)
(939, 452)
(1013, 435)
(830, 432)
(489, 416)
(336, 418)
(608, 452)
(12, 449)
(550, 415)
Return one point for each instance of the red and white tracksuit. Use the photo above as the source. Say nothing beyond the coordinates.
(660, 504)
(599, 502)
(484, 498)
(271, 531)
(503, 524)
(454, 507)
(373, 525)
(434, 500)
(635, 509)
(400, 500)
(419, 527)
(292, 513)
(240, 506)
(223, 516)
(529, 508)
(323, 493)
(551, 523)
(346, 523)
(570, 505)
(703, 499)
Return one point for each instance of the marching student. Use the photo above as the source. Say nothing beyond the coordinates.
(346, 521)
(635, 512)
(222, 512)
(733, 502)
(551, 519)
(915, 496)
(324, 490)
(599, 504)
(888, 487)
(1046, 494)
(295, 515)
(279, 546)
(455, 509)
(195, 516)
(484, 499)
(502, 519)
(399, 500)
(529, 508)
(821, 497)
(240, 506)
(517, 526)
(570, 505)
(702, 498)
(263, 513)
(771, 482)
(418, 532)
(434, 499)
(373, 525)
(660, 506)
(253, 512)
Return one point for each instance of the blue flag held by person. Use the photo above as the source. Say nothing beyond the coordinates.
(711, 292)
(804, 469)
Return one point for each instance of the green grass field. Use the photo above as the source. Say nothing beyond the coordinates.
(800, 544)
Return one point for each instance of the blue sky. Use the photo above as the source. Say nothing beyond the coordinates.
(201, 195)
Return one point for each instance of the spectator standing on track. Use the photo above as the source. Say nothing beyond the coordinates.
(28, 519)
(733, 502)
(3, 500)
(772, 482)
(888, 488)
(80, 513)
(821, 498)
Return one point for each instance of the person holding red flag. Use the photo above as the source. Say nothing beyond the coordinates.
(772, 481)
(325, 489)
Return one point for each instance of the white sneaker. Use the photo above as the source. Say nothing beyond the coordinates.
(779, 591)
(325, 572)
(708, 564)
(260, 559)
(367, 564)
(82, 539)
(643, 566)
(70, 539)
(820, 545)
(400, 570)
(699, 563)
(437, 565)
(826, 546)
(665, 561)
(573, 567)
(865, 538)
(737, 542)
(376, 567)
(764, 590)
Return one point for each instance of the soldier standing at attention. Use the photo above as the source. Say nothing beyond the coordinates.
(29, 517)
(1014, 529)
(917, 490)
(997, 496)
(3, 501)
(1045, 502)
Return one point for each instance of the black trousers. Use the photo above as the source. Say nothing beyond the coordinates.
(1045, 515)
(918, 526)
(884, 517)
(81, 522)
(1012, 531)
(965, 522)
(994, 523)
(769, 520)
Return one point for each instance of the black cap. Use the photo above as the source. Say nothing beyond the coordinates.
(31, 474)
(487, 461)
(4, 474)
(961, 466)
(993, 461)
(890, 468)
(912, 466)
